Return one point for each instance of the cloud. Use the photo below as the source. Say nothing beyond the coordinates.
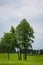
(20, 8)
(13, 11)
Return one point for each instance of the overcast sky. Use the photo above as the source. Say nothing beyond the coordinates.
(13, 11)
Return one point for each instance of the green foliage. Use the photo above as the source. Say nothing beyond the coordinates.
(12, 30)
(25, 33)
(22, 37)
(8, 41)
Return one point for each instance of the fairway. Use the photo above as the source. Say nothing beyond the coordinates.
(31, 60)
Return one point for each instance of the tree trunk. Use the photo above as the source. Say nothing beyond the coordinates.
(20, 54)
(8, 56)
(25, 54)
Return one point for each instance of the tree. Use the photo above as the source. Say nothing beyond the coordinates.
(25, 35)
(9, 41)
(13, 31)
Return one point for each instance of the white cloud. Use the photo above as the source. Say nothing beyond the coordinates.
(28, 8)
(12, 11)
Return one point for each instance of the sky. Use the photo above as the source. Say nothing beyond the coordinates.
(13, 11)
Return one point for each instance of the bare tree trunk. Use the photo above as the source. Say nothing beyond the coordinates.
(8, 56)
(20, 54)
(25, 54)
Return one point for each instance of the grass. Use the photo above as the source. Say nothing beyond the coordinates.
(31, 60)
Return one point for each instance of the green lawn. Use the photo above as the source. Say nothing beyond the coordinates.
(31, 60)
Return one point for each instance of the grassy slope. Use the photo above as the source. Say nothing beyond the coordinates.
(31, 60)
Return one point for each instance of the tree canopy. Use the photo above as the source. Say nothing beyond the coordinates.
(21, 37)
(9, 42)
(25, 33)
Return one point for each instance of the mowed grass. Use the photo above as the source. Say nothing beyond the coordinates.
(31, 60)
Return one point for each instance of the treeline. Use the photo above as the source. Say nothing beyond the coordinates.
(28, 51)
(32, 52)
(20, 37)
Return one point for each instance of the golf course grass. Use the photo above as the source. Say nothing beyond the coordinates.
(31, 60)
